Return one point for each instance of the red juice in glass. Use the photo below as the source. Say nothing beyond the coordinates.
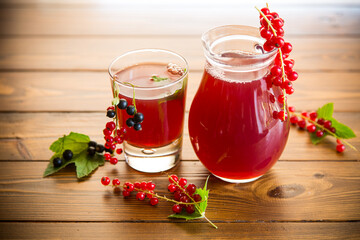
(231, 124)
(159, 92)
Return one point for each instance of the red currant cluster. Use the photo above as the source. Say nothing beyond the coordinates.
(144, 189)
(281, 73)
(184, 194)
(113, 136)
(314, 125)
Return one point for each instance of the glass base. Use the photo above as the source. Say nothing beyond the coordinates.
(238, 180)
(152, 160)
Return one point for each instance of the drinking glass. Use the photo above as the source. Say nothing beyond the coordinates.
(142, 76)
(231, 123)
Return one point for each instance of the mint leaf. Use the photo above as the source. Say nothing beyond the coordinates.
(326, 111)
(158, 79)
(342, 131)
(86, 164)
(204, 193)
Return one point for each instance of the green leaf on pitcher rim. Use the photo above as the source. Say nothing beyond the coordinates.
(158, 79)
(204, 193)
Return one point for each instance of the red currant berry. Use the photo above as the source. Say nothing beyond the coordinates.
(107, 145)
(113, 147)
(289, 63)
(154, 201)
(177, 195)
(281, 98)
(275, 15)
(105, 181)
(107, 132)
(268, 46)
(125, 193)
(111, 126)
(150, 186)
(109, 139)
(321, 121)
(182, 182)
(265, 11)
(277, 23)
(143, 185)
(113, 160)
(116, 182)
(281, 115)
(117, 139)
(338, 141)
(277, 81)
(279, 42)
(176, 208)
(311, 128)
(291, 109)
(305, 114)
(107, 156)
(265, 33)
(292, 76)
(184, 199)
(332, 129)
(197, 198)
(173, 179)
(275, 70)
(128, 187)
(290, 91)
(287, 48)
(313, 116)
(190, 209)
(119, 151)
(294, 120)
(272, 98)
(319, 133)
(171, 187)
(302, 124)
(327, 124)
(121, 131)
(340, 148)
(140, 196)
(191, 188)
(275, 114)
(280, 32)
(286, 85)
(137, 185)
(149, 195)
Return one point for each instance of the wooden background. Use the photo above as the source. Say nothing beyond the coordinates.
(53, 80)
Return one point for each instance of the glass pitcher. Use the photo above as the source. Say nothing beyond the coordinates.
(231, 123)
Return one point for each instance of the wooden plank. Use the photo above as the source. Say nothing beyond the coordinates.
(291, 191)
(139, 19)
(84, 91)
(96, 53)
(348, 230)
(28, 136)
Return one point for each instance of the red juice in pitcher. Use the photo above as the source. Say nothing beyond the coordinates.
(232, 129)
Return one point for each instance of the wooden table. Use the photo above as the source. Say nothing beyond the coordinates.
(53, 80)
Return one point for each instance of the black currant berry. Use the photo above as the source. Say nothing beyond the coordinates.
(139, 117)
(130, 122)
(91, 151)
(57, 162)
(130, 110)
(122, 104)
(67, 155)
(92, 144)
(137, 127)
(109, 151)
(100, 148)
(110, 113)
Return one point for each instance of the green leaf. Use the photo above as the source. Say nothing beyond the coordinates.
(51, 169)
(315, 139)
(86, 164)
(342, 131)
(115, 101)
(326, 111)
(204, 193)
(158, 79)
(58, 145)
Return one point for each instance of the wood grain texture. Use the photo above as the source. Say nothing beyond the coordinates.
(291, 191)
(169, 231)
(27, 136)
(188, 18)
(96, 53)
(90, 91)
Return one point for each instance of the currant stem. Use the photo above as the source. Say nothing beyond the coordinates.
(267, 20)
(283, 78)
(133, 100)
(327, 130)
